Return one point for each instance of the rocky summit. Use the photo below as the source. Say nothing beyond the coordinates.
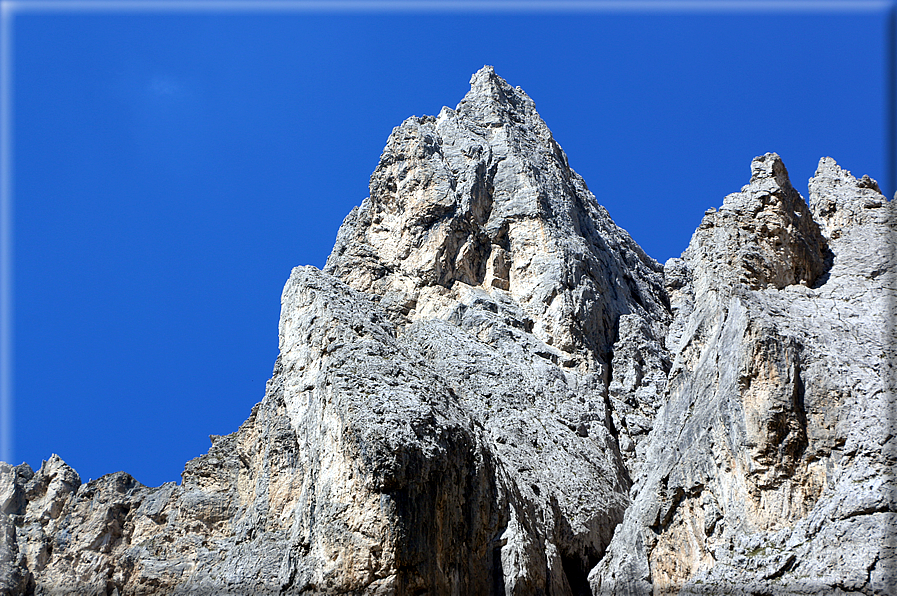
(491, 389)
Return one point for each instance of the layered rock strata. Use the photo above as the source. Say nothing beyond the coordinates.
(491, 389)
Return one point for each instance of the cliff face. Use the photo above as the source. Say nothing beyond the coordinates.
(491, 389)
(772, 456)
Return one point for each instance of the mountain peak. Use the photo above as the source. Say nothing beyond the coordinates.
(492, 101)
(483, 197)
(485, 73)
(485, 82)
(491, 389)
(769, 167)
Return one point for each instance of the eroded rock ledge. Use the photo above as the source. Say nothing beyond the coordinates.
(491, 389)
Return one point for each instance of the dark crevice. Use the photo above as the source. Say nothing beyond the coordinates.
(800, 412)
(577, 568)
(498, 573)
(608, 359)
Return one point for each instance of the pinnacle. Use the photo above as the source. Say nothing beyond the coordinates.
(767, 166)
(490, 92)
(485, 83)
(484, 76)
(828, 167)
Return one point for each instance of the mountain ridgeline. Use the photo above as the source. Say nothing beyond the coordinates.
(491, 389)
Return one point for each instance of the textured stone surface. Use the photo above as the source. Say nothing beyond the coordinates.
(482, 196)
(491, 389)
(771, 460)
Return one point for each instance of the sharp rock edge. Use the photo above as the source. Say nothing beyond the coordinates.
(491, 389)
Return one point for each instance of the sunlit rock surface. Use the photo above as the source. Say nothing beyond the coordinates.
(769, 466)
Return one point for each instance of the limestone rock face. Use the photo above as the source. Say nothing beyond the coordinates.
(770, 462)
(482, 197)
(491, 389)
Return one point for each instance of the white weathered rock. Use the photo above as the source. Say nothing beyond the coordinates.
(768, 468)
(491, 389)
(482, 197)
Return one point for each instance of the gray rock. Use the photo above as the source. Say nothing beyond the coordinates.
(491, 389)
(768, 468)
(483, 197)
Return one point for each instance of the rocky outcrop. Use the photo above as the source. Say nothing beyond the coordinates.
(491, 389)
(772, 457)
(482, 197)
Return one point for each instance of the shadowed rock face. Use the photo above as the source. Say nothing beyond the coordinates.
(491, 389)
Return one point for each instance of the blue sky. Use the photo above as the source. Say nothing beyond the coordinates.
(171, 168)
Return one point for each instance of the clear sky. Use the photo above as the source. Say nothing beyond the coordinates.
(171, 168)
